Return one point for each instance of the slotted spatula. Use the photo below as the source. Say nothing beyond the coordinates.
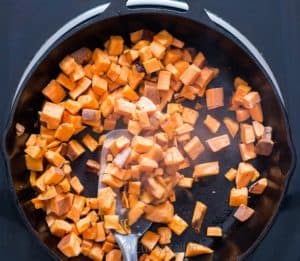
(127, 243)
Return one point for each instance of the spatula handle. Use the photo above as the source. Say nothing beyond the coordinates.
(128, 246)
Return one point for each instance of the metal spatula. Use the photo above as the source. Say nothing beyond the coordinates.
(127, 243)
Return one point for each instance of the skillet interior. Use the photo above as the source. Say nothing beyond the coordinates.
(220, 52)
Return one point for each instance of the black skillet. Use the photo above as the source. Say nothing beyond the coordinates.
(226, 49)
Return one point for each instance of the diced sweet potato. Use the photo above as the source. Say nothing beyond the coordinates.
(82, 55)
(35, 152)
(214, 98)
(198, 216)
(111, 222)
(157, 254)
(135, 212)
(185, 182)
(65, 81)
(211, 123)
(238, 197)
(256, 113)
(129, 93)
(114, 72)
(206, 75)
(157, 49)
(82, 85)
(53, 176)
(206, 169)
(173, 157)
(214, 232)
(149, 240)
(232, 126)
(152, 65)
(218, 143)
(141, 144)
(247, 151)
(164, 80)
(74, 150)
(243, 213)
(69, 245)
(183, 129)
(76, 185)
(116, 45)
(124, 107)
(54, 92)
(162, 213)
(90, 142)
(259, 186)
(244, 175)
(68, 65)
(64, 131)
(194, 148)
(195, 249)
(146, 105)
(107, 201)
(34, 164)
(134, 127)
(242, 115)
(199, 60)
(51, 114)
(179, 256)
(231, 174)
(164, 38)
(155, 188)
(72, 106)
(247, 133)
(258, 128)
(177, 225)
(55, 158)
(96, 253)
(251, 99)
(114, 255)
(189, 115)
(189, 76)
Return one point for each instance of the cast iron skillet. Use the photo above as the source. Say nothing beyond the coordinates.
(229, 51)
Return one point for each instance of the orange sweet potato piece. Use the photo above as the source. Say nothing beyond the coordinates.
(107, 201)
(76, 185)
(35, 152)
(177, 225)
(155, 188)
(68, 65)
(231, 174)
(214, 232)
(55, 158)
(242, 115)
(183, 129)
(256, 113)
(114, 255)
(96, 253)
(206, 75)
(190, 75)
(115, 45)
(189, 115)
(162, 213)
(165, 235)
(52, 114)
(211, 123)
(53, 176)
(64, 131)
(61, 204)
(238, 197)
(247, 133)
(218, 143)
(60, 227)
(146, 105)
(123, 107)
(232, 126)
(206, 169)
(173, 157)
(193, 148)
(141, 144)
(251, 99)
(111, 222)
(243, 213)
(199, 60)
(164, 38)
(90, 142)
(258, 128)
(152, 65)
(195, 249)
(135, 212)
(164, 80)
(54, 92)
(157, 49)
(198, 216)
(145, 53)
(65, 81)
(244, 175)
(149, 240)
(72, 106)
(129, 93)
(74, 150)
(259, 186)
(82, 85)
(247, 151)
(214, 98)
(69, 245)
(177, 43)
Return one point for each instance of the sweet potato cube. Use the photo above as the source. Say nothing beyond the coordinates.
(259, 186)
(247, 133)
(242, 115)
(195, 249)
(114, 255)
(134, 128)
(214, 232)
(114, 72)
(54, 92)
(243, 213)
(141, 144)
(164, 80)
(214, 98)
(111, 222)
(251, 99)
(165, 235)
(218, 143)
(135, 212)
(134, 187)
(115, 45)
(157, 49)
(129, 93)
(193, 148)
(55, 158)
(189, 76)
(232, 126)
(244, 175)
(83, 224)
(72, 106)
(155, 188)
(65, 81)
(146, 105)
(74, 150)
(247, 151)
(82, 85)
(96, 253)
(256, 113)
(206, 169)
(124, 107)
(77, 74)
(183, 128)
(179, 256)
(61, 204)
(157, 254)
(149, 240)
(164, 38)
(53, 176)
(231, 174)
(258, 129)
(177, 225)
(101, 60)
(35, 152)
(86, 246)
(107, 201)
(211, 123)
(173, 157)
(189, 115)
(76, 185)
(199, 60)
(51, 114)
(238, 197)
(90, 142)
(185, 182)
(60, 227)
(152, 65)
(64, 185)
(99, 85)
(64, 131)
(88, 101)
(198, 216)
(69, 245)
(162, 213)
(68, 65)
(146, 164)
(206, 75)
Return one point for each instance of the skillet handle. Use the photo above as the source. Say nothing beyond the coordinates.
(170, 4)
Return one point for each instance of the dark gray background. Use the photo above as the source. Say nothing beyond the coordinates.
(272, 25)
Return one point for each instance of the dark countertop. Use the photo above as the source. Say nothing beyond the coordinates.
(272, 25)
